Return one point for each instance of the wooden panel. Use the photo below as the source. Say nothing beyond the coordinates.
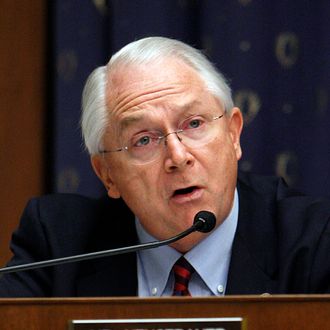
(272, 312)
(22, 65)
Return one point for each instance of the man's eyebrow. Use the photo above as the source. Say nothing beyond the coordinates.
(138, 117)
(131, 119)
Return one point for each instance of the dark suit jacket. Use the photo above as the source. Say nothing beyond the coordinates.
(282, 244)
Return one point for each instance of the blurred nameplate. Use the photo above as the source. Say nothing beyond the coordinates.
(220, 323)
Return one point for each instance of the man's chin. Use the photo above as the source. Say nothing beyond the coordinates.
(187, 243)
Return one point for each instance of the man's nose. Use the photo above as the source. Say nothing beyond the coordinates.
(176, 134)
(177, 154)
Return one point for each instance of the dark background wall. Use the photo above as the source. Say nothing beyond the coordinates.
(275, 54)
(22, 110)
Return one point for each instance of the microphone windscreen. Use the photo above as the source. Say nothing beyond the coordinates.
(206, 221)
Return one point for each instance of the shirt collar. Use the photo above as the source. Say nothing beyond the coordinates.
(157, 263)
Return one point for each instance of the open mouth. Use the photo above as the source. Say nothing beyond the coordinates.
(184, 191)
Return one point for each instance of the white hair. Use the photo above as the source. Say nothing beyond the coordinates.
(95, 114)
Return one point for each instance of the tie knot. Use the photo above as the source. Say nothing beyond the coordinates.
(182, 274)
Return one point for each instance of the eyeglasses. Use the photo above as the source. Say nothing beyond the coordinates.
(146, 147)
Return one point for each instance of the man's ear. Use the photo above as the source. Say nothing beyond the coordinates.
(103, 172)
(235, 128)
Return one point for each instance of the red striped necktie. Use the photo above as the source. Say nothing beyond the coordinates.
(182, 274)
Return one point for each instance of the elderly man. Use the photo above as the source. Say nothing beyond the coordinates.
(164, 138)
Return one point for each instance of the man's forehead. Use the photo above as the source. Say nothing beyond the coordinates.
(143, 115)
(144, 75)
(136, 86)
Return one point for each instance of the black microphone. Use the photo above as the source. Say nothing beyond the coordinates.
(204, 221)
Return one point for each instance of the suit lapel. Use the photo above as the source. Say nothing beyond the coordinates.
(245, 275)
(252, 268)
(114, 275)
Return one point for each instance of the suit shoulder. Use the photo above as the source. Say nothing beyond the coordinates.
(60, 201)
(264, 184)
(292, 208)
(66, 200)
(71, 217)
(275, 191)
(65, 208)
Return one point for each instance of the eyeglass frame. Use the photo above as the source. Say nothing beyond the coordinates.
(126, 148)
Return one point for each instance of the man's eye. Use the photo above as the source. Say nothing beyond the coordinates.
(195, 123)
(142, 141)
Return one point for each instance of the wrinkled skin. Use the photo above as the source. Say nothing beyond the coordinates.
(157, 96)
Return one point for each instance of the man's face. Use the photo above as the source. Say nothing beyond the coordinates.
(167, 192)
